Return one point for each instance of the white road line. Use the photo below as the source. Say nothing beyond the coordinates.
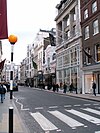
(92, 111)
(45, 124)
(66, 119)
(52, 107)
(97, 131)
(87, 104)
(95, 104)
(67, 105)
(85, 116)
(21, 105)
(77, 105)
(39, 108)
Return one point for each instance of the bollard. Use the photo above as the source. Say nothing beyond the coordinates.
(10, 119)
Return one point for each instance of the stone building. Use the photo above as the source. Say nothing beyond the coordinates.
(68, 44)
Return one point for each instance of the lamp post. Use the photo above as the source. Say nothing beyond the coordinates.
(12, 39)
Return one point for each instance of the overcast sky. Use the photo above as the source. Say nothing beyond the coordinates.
(25, 18)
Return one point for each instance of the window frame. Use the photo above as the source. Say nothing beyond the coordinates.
(86, 14)
(94, 6)
(86, 32)
(95, 27)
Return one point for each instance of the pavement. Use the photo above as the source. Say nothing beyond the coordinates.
(18, 125)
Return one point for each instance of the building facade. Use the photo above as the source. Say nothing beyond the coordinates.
(90, 23)
(68, 44)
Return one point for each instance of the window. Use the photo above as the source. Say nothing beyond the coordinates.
(86, 14)
(67, 21)
(87, 59)
(74, 30)
(67, 34)
(98, 52)
(94, 7)
(95, 27)
(54, 56)
(86, 34)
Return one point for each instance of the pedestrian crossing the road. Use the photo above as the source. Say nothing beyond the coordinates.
(88, 114)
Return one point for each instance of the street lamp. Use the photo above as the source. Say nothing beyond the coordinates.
(12, 39)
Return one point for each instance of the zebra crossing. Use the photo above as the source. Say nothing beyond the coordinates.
(85, 113)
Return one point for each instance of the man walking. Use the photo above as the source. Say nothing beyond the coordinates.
(2, 92)
(94, 88)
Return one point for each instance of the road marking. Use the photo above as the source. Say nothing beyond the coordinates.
(85, 116)
(45, 124)
(92, 111)
(52, 107)
(21, 105)
(67, 105)
(66, 119)
(97, 131)
(87, 104)
(77, 105)
(95, 104)
(39, 108)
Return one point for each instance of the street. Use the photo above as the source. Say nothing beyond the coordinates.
(44, 111)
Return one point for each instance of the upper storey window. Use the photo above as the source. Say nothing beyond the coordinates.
(86, 14)
(94, 7)
(86, 32)
(95, 27)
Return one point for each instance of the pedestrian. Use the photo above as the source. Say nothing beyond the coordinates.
(57, 87)
(5, 90)
(71, 87)
(65, 88)
(54, 87)
(94, 88)
(2, 92)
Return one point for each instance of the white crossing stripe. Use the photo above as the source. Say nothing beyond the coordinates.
(97, 131)
(66, 119)
(92, 111)
(45, 124)
(85, 116)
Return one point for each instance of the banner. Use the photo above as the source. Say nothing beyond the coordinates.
(34, 64)
(3, 20)
(2, 64)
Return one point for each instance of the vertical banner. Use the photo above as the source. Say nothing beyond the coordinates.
(3, 20)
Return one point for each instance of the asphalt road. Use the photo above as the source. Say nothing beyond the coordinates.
(49, 112)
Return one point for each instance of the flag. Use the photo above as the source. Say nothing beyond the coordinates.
(34, 64)
(3, 19)
(52, 39)
(2, 64)
(87, 54)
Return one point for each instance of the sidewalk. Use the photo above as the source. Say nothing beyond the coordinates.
(18, 126)
(83, 96)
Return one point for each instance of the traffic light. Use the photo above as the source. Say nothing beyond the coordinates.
(52, 40)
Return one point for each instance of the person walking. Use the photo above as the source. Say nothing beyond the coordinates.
(65, 88)
(94, 88)
(57, 87)
(2, 92)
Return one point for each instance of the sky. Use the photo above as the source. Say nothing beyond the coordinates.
(25, 19)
